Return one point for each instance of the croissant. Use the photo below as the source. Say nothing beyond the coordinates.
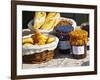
(39, 19)
(52, 20)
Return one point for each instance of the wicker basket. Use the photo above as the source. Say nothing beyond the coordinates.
(39, 53)
(39, 57)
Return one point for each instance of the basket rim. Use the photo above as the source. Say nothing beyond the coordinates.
(41, 46)
(47, 31)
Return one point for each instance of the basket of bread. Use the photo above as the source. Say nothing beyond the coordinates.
(46, 22)
(38, 47)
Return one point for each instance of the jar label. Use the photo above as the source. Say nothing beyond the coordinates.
(78, 50)
(64, 45)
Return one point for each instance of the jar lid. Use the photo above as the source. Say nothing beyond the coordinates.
(64, 28)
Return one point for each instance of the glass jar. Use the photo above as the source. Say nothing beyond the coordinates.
(85, 26)
(62, 33)
(78, 41)
(79, 51)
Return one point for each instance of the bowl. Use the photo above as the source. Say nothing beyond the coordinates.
(31, 22)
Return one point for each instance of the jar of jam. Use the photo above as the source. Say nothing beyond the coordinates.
(62, 33)
(78, 41)
(85, 26)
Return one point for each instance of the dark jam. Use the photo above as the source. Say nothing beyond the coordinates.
(62, 33)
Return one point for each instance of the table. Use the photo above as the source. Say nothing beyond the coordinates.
(60, 60)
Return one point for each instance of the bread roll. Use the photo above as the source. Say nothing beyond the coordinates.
(28, 44)
(27, 40)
